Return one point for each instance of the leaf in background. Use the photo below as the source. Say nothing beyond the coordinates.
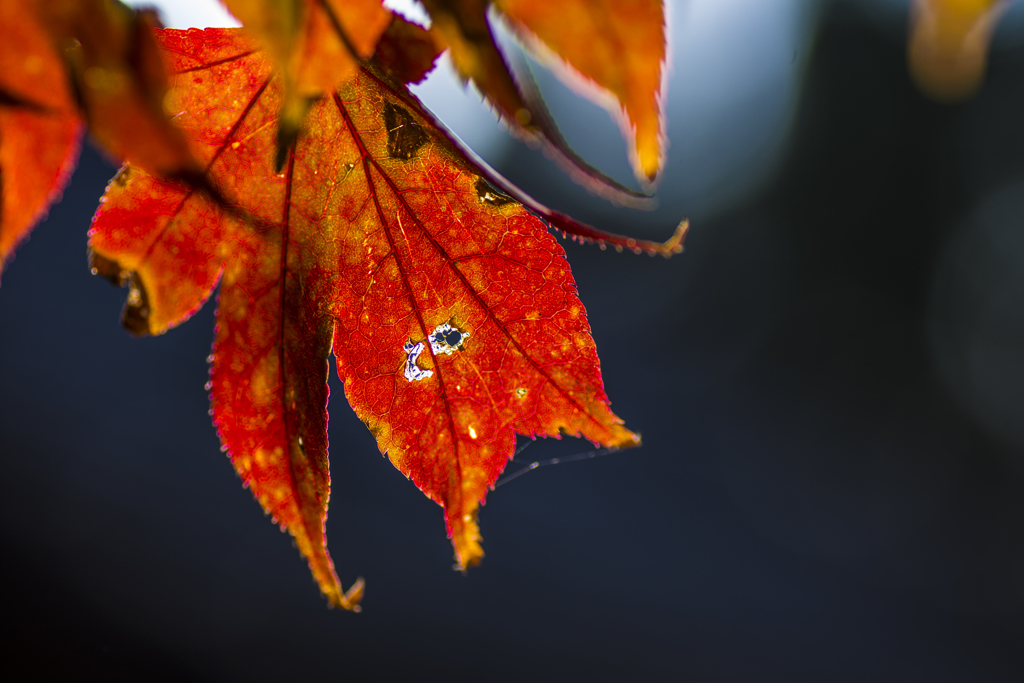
(318, 44)
(65, 61)
(452, 312)
(948, 46)
(464, 26)
(117, 75)
(617, 46)
(39, 125)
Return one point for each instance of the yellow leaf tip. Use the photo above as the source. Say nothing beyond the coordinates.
(350, 599)
(649, 157)
(674, 244)
(466, 540)
(628, 440)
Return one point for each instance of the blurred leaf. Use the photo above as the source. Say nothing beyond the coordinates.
(949, 42)
(68, 61)
(317, 43)
(618, 48)
(408, 52)
(464, 26)
(39, 125)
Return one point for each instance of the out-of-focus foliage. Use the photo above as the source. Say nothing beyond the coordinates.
(948, 45)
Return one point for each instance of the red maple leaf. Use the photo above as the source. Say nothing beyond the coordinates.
(448, 305)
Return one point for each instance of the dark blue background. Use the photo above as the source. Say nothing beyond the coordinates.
(813, 500)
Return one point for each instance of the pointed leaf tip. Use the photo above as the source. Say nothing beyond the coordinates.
(348, 600)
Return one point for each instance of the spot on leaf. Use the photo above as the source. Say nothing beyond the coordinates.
(405, 136)
(489, 194)
(447, 339)
(412, 371)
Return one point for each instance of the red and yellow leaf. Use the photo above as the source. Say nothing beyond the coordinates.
(449, 307)
(458, 323)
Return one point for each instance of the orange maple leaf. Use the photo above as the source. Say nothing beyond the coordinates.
(618, 47)
(448, 305)
(614, 49)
